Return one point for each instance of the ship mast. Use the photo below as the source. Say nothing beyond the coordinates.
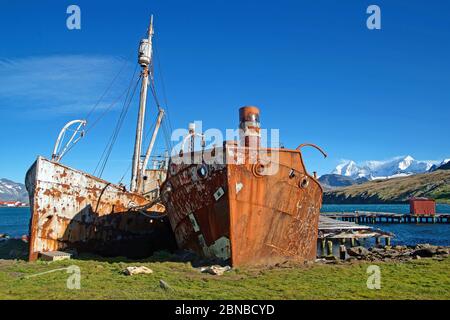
(152, 140)
(145, 56)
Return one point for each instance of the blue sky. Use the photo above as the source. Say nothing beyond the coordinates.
(315, 70)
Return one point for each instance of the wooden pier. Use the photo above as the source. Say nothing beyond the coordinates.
(335, 229)
(387, 217)
(336, 236)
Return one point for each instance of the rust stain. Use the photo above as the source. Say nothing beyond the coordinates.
(83, 220)
(53, 192)
(253, 213)
(267, 218)
(80, 199)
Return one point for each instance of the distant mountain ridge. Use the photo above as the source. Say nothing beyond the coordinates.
(335, 180)
(434, 185)
(444, 165)
(395, 167)
(348, 172)
(330, 181)
(13, 191)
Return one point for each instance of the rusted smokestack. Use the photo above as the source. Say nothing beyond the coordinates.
(249, 125)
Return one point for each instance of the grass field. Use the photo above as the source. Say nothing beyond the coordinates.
(103, 279)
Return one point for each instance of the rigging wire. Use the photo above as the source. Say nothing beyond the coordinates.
(117, 128)
(108, 149)
(166, 126)
(127, 91)
(125, 173)
(106, 110)
(114, 102)
(94, 107)
(164, 123)
(69, 148)
(155, 97)
(116, 133)
(144, 143)
(149, 131)
(106, 90)
(163, 86)
(167, 141)
(153, 91)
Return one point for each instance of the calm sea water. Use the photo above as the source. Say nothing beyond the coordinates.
(397, 208)
(14, 221)
(405, 234)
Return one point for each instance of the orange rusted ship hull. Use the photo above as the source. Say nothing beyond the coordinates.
(248, 213)
(74, 210)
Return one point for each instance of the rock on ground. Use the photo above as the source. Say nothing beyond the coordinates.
(215, 270)
(164, 285)
(130, 271)
(358, 251)
(396, 253)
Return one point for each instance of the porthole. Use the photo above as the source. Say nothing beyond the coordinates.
(292, 174)
(202, 171)
(259, 169)
(304, 182)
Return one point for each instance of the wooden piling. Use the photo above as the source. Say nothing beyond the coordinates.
(329, 248)
(377, 241)
(342, 251)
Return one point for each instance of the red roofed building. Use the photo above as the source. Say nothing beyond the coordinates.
(12, 204)
(422, 206)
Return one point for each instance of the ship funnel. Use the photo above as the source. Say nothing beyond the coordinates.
(249, 127)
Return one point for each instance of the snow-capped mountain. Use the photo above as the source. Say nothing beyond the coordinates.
(347, 168)
(398, 166)
(439, 165)
(12, 191)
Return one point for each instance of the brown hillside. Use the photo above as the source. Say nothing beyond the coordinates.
(434, 185)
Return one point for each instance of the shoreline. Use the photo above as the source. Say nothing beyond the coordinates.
(17, 248)
(15, 222)
(15, 207)
(350, 202)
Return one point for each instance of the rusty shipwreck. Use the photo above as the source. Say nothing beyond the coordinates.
(71, 209)
(242, 202)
